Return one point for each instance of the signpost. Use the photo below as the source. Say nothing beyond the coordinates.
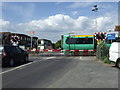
(111, 36)
(32, 33)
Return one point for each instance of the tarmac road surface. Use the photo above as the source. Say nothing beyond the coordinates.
(61, 72)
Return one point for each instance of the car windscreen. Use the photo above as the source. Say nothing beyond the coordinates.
(79, 40)
(10, 49)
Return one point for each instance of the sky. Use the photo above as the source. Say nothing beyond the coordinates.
(50, 20)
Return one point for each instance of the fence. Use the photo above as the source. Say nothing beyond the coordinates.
(102, 51)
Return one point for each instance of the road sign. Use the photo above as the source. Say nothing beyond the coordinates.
(99, 41)
(32, 32)
(111, 36)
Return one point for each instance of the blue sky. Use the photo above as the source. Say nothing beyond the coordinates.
(20, 12)
(37, 13)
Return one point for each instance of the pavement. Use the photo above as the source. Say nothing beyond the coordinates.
(61, 72)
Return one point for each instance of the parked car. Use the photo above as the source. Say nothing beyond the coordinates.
(12, 55)
(114, 53)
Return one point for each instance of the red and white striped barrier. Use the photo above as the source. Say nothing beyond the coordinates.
(59, 50)
(45, 50)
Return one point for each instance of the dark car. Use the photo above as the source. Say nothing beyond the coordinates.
(12, 55)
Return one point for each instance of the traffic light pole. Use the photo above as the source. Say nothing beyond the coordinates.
(69, 41)
(32, 33)
(31, 41)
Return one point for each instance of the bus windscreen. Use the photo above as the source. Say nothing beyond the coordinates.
(79, 40)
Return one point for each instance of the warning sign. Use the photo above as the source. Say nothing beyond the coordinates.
(99, 41)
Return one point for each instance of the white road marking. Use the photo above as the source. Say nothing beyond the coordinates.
(87, 58)
(49, 58)
(21, 67)
(80, 58)
(16, 68)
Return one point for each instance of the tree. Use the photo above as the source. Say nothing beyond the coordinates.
(57, 45)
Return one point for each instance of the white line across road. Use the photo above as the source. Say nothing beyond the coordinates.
(49, 58)
(83, 58)
(20, 67)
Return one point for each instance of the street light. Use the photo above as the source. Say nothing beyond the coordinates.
(95, 9)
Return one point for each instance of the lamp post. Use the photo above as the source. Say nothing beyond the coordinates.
(95, 9)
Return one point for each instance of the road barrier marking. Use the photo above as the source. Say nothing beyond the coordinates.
(16, 68)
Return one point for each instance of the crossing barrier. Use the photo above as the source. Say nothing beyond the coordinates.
(60, 50)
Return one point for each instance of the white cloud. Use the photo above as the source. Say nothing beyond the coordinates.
(104, 22)
(4, 23)
(54, 26)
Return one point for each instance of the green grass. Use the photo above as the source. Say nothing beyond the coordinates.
(106, 60)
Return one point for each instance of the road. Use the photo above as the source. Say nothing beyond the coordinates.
(61, 72)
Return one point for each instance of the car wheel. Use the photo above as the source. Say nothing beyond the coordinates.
(11, 62)
(118, 63)
(26, 59)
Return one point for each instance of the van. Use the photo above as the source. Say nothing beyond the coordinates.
(114, 53)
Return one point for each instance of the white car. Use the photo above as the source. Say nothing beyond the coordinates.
(114, 53)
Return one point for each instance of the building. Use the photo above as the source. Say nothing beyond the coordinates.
(44, 44)
(22, 40)
(117, 28)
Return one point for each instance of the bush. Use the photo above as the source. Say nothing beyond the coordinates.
(106, 60)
